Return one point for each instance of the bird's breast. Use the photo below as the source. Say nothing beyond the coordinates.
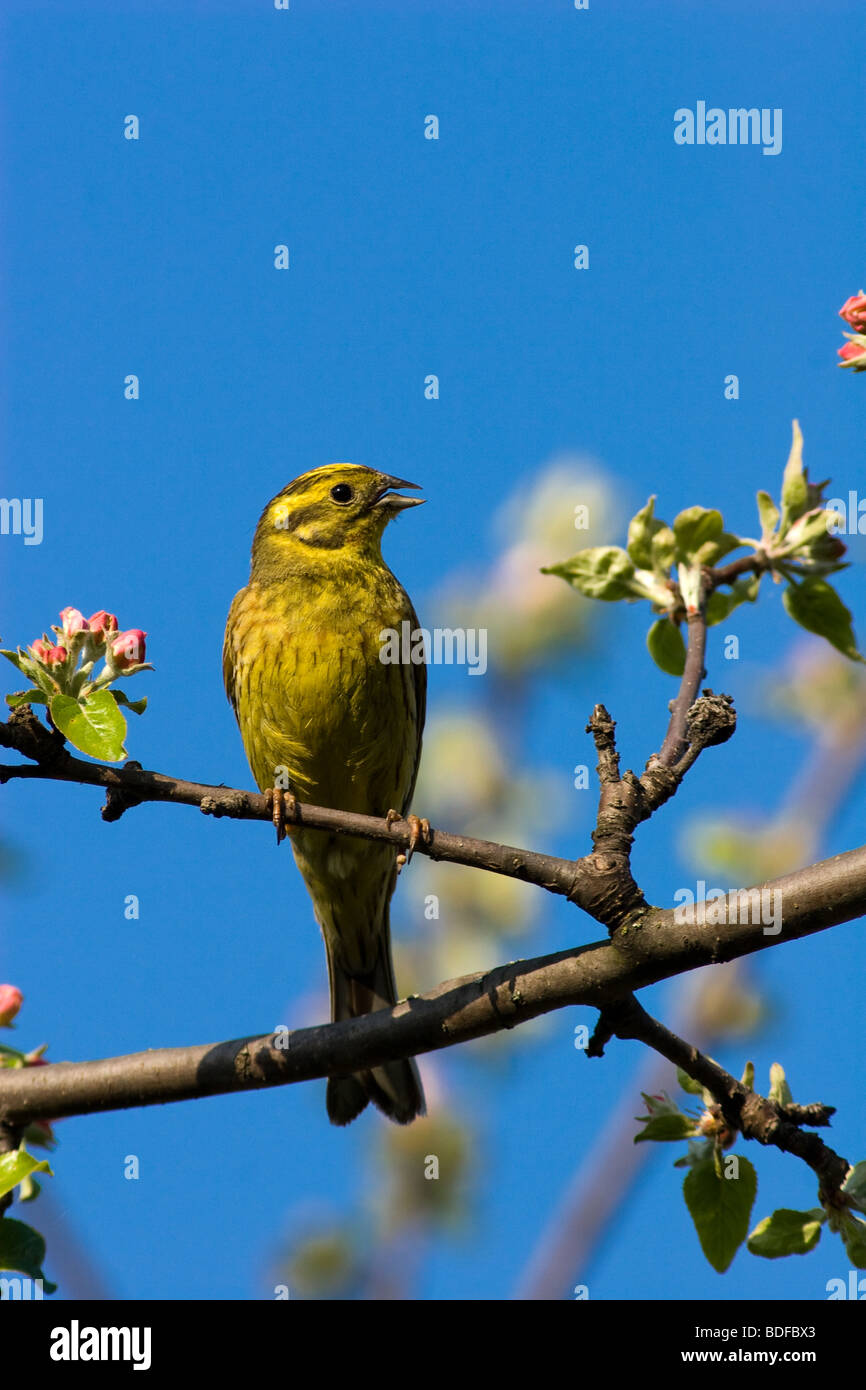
(317, 706)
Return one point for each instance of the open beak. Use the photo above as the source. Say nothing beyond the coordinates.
(392, 501)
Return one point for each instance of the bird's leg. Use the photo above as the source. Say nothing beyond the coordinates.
(418, 830)
(283, 807)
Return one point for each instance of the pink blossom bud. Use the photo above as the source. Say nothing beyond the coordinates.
(127, 648)
(851, 351)
(48, 655)
(73, 621)
(11, 1000)
(100, 623)
(853, 311)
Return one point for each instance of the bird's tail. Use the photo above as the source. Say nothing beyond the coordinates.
(395, 1087)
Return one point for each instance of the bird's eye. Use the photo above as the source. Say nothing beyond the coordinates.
(342, 493)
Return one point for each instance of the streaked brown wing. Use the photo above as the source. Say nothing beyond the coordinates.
(419, 674)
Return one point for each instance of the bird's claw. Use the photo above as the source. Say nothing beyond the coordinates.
(419, 830)
(283, 807)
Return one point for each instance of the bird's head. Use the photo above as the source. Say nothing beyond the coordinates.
(337, 511)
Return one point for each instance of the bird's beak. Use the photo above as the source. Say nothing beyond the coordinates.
(392, 501)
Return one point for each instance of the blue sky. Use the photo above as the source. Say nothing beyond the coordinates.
(408, 257)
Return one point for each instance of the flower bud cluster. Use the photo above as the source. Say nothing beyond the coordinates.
(82, 642)
(853, 353)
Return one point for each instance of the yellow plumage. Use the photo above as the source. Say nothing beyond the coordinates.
(321, 714)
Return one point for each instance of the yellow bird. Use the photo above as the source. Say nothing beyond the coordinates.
(322, 716)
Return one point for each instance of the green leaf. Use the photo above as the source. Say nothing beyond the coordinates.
(26, 697)
(780, 1091)
(786, 1232)
(666, 647)
(663, 550)
(641, 529)
(855, 1186)
(795, 489)
(720, 1208)
(812, 526)
(23, 1249)
(658, 1105)
(769, 514)
(17, 1165)
(14, 657)
(694, 529)
(136, 706)
(816, 606)
(748, 1077)
(664, 1128)
(721, 604)
(32, 670)
(688, 1083)
(699, 1151)
(602, 571)
(95, 726)
(853, 1233)
(712, 551)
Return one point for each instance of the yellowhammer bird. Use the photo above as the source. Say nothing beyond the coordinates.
(323, 716)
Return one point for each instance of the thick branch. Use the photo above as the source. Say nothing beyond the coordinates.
(639, 954)
(625, 801)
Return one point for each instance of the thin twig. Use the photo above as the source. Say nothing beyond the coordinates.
(752, 1114)
(676, 742)
(133, 785)
(757, 563)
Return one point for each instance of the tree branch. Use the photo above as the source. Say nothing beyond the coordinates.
(131, 785)
(676, 741)
(600, 883)
(639, 953)
(744, 1110)
(757, 563)
(625, 801)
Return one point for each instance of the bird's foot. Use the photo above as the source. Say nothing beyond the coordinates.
(419, 829)
(283, 807)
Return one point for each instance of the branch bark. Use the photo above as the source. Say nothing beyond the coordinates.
(752, 1114)
(600, 883)
(676, 740)
(132, 785)
(598, 975)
